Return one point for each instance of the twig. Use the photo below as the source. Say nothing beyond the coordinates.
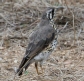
(73, 21)
(16, 37)
(6, 19)
(65, 25)
(73, 27)
(61, 29)
(34, 22)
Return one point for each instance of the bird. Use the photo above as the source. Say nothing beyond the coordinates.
(42, 42)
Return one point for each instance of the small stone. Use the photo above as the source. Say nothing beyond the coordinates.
(0, 59)
(15, 69)
(1, 48)
(15, 61)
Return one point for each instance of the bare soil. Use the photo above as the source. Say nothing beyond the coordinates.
(17, 21)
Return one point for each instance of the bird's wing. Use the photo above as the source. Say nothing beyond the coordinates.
(38, 41)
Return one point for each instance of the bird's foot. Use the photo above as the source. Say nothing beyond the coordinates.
(39, 73)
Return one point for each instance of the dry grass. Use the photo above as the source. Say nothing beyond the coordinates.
(18, 18)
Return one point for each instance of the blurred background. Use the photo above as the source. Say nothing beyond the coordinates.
(18, 18)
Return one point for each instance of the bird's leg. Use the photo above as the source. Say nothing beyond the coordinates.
(36, 66)
(41, 63)
(41, 68)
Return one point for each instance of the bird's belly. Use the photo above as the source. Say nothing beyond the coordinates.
(46, 52)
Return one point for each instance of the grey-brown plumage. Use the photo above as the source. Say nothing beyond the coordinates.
(41, 42)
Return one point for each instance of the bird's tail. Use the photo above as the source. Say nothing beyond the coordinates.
(24, 65)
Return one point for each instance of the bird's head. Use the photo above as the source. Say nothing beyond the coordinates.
(48, 13)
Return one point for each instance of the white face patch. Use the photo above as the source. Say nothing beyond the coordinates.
(49, 14)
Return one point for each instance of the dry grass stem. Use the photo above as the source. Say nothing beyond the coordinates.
(18, 18)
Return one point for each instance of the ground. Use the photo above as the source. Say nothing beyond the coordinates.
(17, 21)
